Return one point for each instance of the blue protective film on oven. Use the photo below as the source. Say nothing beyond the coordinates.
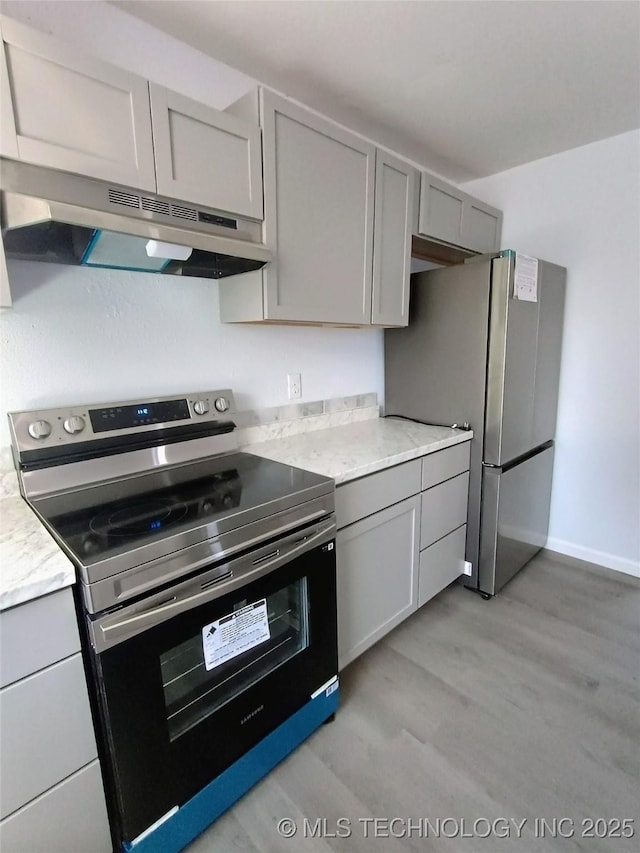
(201, 810)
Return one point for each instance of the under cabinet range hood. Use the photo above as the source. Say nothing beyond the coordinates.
(62, 218)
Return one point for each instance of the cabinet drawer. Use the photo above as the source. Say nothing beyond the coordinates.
(45, 730)
(440, 564)
(444, 508)
(445, 464)
(69, 818)
(37, 634)
(375, 492)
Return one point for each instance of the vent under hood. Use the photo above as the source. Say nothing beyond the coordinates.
(62, 218)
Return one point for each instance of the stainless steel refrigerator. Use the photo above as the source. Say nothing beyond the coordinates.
(483, 347)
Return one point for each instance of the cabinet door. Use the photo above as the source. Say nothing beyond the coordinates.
(441, 210)
(377, 564)
(67, 110)
(481, 226)
(395, 182)
(319, 193)
(206, 156)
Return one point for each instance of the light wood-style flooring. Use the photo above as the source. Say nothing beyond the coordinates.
(525, 706)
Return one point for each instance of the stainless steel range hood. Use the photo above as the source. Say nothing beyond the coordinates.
(62, 218)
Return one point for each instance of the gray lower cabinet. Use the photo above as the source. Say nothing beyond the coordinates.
(45, 730)
(69, 818)
(51, 794)
(377, 572)
(443, 508)
(443, 516)
(400, 541)
(440, 564)
(20, 653)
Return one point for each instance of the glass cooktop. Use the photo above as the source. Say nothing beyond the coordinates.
(221, 493)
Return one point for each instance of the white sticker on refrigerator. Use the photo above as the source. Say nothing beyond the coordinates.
(525, 285)
(235, 633)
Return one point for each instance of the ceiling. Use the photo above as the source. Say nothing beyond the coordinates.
(466, 87)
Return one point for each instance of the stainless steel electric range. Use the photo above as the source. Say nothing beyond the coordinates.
(206, 599)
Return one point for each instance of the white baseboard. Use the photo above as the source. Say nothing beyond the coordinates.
(602, 558)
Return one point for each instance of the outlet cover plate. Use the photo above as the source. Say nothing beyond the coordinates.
(294, 386)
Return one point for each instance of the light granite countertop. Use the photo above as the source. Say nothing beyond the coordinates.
(32, 564)
(347, 452)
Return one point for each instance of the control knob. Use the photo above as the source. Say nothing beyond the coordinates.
(201, 407)
(39, 429)
(221, 404)
(74, 424)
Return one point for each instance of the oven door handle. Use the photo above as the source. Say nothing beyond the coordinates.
(115, 628)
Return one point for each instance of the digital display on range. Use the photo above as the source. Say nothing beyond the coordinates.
(141, 414)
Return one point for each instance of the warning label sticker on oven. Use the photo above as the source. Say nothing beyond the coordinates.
(235, 633)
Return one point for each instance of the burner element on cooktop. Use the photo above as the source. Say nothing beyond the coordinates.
(138, 517)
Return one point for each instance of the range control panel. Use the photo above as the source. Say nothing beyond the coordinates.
(74, 424)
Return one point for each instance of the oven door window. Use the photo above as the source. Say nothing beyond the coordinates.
(231, 654)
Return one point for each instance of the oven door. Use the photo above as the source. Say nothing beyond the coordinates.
(194, 676)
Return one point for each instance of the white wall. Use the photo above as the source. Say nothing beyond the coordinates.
(581, 209)
(77, 335)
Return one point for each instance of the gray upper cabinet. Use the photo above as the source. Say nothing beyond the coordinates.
(481, 226)
(319, 197)
(338, 217)
(450, 215)
(394, 203)
(441, 207)
(67, 110)
(205, 156)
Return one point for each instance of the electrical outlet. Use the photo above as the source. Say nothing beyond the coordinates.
(294, 386)
(467, 568)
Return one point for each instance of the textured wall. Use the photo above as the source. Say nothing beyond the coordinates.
(80, 336)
